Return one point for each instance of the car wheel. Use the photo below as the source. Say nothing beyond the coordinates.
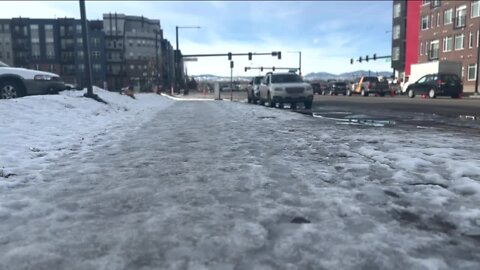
(349, 92)
(10, 89)
(270, 101)
(411, 93)
(293, 106)
(364, 93)
(308, 105)
(281, 105)
(456, 96)
(331, 93)
(254, 101)
(431, 93)
(249, 99)
(261, 102)
(324, 92)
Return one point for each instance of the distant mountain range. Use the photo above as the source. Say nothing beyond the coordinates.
(309, 76)
(345, 76)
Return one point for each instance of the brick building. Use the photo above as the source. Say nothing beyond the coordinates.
(447, 30)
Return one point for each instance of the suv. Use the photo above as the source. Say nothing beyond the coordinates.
(335, 88)
(17, 82)
(439, 84)
(367, 85)
(253, 91)
(285, 88)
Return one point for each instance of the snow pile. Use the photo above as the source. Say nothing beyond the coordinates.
(36, 130)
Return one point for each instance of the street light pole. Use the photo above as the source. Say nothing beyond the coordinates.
(177, 54)
(157, 80)
(86, 49)
(299, 61)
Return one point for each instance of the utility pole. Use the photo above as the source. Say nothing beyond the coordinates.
(478, 62)
(86, 50)
(157, 80)
(231, 80)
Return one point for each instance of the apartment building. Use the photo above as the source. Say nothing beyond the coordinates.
(449, 30)
(53, 45)
(405, 36)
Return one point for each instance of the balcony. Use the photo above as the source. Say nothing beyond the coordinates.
(435, 3)
(460, 22)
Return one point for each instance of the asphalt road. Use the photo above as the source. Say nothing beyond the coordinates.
(439, 106)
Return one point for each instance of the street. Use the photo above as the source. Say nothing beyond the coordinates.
(228, 185)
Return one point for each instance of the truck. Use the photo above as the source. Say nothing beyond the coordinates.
(419, 70)
(367, 85)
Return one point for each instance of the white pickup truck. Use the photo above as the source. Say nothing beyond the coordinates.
(285, 88)
(17, 82)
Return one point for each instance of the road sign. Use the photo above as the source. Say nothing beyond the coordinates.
(192, 59)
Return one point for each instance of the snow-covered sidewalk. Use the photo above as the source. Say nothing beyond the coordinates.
(216, 185)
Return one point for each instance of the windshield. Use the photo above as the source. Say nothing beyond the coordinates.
(258, 80)
(286, 78)
(2, 64)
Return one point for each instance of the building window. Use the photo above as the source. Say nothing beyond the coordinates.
(425, 2)
(438, 19)
(132, 67)
(434, 46)
(447, 44)
(97, 67)
(459, 42)
(396, 32)
(396, 54)
(435, 3)
(472, 72)
(432, 23)
(426, 48)
(397, 8)
(448, 16)
(424, 22)
(470, 40)
(475, 8)
(421, 48)
(478, 34)
(460, 16)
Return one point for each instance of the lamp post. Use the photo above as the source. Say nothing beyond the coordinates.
(157, 68)
(86, 49)
(299, 61)
(177, 52)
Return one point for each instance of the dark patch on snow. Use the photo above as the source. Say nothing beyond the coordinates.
(405, 216)
(391, 193)
(430, 184)
(34, 149)
(300, 220)
(267, 117)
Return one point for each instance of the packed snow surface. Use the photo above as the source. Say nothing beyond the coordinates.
(155, 183)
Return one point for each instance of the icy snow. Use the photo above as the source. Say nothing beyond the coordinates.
(165, 184)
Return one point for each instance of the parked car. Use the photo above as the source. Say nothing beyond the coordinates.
(285, 88)
(439, 84)
(367, 85)
(335, 88)
(18, 82)
(253, 89)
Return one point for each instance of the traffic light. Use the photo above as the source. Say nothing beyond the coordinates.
(360, 59)
(351, 61)
(374, 56)
(231, 64)
(261, 69)
(250, 56)
(366, 58)
(273, 68)
(279, 54)
(229, 56)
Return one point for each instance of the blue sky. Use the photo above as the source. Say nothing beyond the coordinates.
(328, 33)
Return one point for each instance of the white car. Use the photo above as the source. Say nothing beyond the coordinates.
(17, 82)
(284, 88)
